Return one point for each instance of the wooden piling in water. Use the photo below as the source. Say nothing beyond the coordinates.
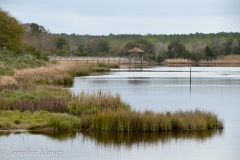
(190, 77)
(119, 63)
(129, 61)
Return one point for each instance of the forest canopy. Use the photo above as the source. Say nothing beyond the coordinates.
(14, 36)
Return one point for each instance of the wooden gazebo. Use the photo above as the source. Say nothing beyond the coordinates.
(135, 50)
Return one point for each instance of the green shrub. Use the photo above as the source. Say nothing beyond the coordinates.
(6, 71)
(64, 121)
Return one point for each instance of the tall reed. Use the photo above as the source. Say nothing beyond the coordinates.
(61, 74)
(92, 103)
(148, 121)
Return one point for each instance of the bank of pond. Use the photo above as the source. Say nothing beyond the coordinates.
(51, 108)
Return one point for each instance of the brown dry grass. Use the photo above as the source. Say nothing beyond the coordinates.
(59, 74)
(178, 61)
(229, 59)
(7, 80)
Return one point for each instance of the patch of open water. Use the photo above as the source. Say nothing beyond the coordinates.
(214, 89)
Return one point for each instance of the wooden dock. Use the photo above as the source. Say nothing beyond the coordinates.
(122, 62)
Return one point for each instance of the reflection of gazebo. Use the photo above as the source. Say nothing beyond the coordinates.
(135, 50)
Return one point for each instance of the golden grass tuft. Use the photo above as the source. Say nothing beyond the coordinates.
(229, 59)
(7, 81)
(60, 74)
(178, 61)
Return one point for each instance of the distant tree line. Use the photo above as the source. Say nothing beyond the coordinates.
(195, 46)
(176, 49)
(196, 49)
(35, 39)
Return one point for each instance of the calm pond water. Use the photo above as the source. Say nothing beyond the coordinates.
(161, 88)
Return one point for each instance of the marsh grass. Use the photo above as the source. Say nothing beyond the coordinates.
(6, 71)
(98, 111)
(113, 65)
(92, 103)
(178, 61)
(229, 59)
(38, 120)
(6, 81)
(148, 121)
(225, 59)
(35, 99)
(23, 60)
(101, 111)
(54, 75)
(60, 74)
(21, 94)
(55, 99)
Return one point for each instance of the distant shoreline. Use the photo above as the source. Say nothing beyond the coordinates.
(226, 61)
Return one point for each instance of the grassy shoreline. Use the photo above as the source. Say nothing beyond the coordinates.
(42, 108)
(230, 60)
(35, 99)
(121, 121)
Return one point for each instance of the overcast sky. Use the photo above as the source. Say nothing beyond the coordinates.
(102, 17)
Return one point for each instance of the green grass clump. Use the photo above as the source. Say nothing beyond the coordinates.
(38, 120)
(59, 100)
(39, 99)
(92, 103)
(20, 61)
(78, 70)
(6, 71)
(64, 122)
(99, 69)
(102, 64)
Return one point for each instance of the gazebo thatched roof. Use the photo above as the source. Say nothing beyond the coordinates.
(135, 50)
